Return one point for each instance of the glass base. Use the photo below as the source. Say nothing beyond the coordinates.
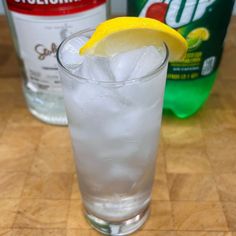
(117, 229)
(57, 120)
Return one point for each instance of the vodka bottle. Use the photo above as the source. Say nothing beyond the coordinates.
(38, 27)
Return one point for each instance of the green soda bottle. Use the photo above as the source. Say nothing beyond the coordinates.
(204, 25)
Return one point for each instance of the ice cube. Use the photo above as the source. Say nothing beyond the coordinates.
(146, 93)
(125, 174)
(125, 125)
(90, 105)
(96, 68)
(70, 52)
(123, 64)
(96, 99)
(121, 67)
(150, 59)
(118, 149)
(136, 63)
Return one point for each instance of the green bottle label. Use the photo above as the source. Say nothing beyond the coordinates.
(202, 22)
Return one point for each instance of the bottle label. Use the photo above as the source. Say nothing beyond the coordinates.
(39, 37)
(52, 7)
(202, 24)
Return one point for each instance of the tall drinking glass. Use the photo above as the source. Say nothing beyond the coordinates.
(115, 130)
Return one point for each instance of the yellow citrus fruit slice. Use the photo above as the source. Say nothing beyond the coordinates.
(128, 33)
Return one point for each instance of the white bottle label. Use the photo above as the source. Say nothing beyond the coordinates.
(39, 37)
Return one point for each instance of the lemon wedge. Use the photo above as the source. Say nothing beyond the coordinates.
(123, 34)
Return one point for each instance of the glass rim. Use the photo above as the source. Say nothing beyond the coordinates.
(108, 83)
